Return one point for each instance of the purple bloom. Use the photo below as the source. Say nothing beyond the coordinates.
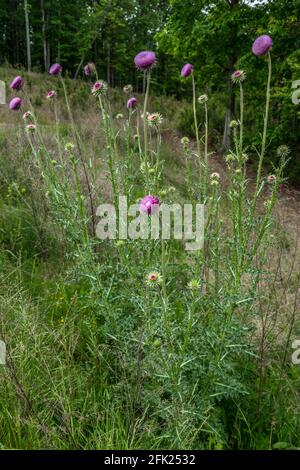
(186, 70)
(55, 69)
(132, 102)
(17, 83)
(262, 45)
(149, 204)
(15, 104)
(89, 69)
(145, 60)
(51, 94)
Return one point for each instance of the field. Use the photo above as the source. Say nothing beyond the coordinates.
(141, 344)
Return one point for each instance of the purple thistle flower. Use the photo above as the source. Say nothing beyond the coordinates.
(51, 94)
(55, 69)
(187, 70)
(15, 104)
(149, 204)
(132, 102)
(89, 69)
(145, 60)
(17, 83)
(262, 45)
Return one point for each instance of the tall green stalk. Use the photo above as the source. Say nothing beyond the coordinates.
(266, 118)
(148, 77)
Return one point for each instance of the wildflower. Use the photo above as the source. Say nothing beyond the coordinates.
(31, 128)
(99, 88)
(119, 116)
(128, 89)
(51, 94)
(15, 104)
(238, 76)
(131, 103)
(69, 147)
(55, 69)
(89, 69)
(271, 179)
(215, 177)
(194, 284)
(262, 45)
(283, 151)
(233, 124)
(187, 70)
(153, 279)
(17, 83)
(203, 99)
(185, 141)
(27, 115)
(155, 119)
(149, 204)
(145, 60)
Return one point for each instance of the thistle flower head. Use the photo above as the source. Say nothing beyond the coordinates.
(15, 104)
(89, 69)
(131, 103)
(271, 179)
(31, 128)
(185, 141)
(145, 60)
(99, 88)
(27, 115)
(17, 83)
(215, 178)
(55, 69)
(238, 76)
(194, 284)
(203, 99)
(149, 204)
(153, 279)
(128, 89)
(187, 70)
(283, 151)
(233, 124)
(51, 94)
(262, 45)
(69, 147)
(154, 119)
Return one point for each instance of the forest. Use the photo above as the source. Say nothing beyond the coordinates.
(149, 225)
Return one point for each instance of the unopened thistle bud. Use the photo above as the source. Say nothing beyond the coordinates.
(203, 99)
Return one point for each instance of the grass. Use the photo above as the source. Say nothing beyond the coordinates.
(97, 359)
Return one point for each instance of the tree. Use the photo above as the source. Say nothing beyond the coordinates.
(27, 11)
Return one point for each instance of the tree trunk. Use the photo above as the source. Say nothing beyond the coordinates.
(26, 9)
(46, 48)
